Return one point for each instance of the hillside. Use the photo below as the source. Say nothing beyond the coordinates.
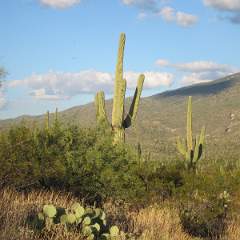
(162, 117)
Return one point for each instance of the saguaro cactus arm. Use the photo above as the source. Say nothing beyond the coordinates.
(200, 143)
(100, 108)
(202, 135)
(181, 146)
(131, 116)
(196, 150)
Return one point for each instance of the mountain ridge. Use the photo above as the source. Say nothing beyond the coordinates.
(162, 117)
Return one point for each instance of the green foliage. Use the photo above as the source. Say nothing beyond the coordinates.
(206, 200)
(80, 160)
(17, 160)
(119, 124)
(160, 181)
(89, 222)
(192, 149)
(205, 218)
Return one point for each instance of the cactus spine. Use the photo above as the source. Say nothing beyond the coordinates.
(191, 149)
(119, 124)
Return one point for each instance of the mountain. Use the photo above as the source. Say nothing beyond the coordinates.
(162, 117)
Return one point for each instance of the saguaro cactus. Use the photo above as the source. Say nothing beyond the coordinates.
(191, 148)
(47, 121)
(119, 123)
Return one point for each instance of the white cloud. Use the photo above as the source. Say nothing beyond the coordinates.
(230, 7)
(226, 5)
(168, 14)
(183, 19)
(197, 66)
(42, 94)
(194, 78)
(60, 3)
(203, 66)
(162, 62)
(143, 4)
(57, 85)
(199, 71)
(3, 100)
(152, 79)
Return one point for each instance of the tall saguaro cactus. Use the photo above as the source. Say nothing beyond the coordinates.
(119, 123)
(191, 148)
(47, 120)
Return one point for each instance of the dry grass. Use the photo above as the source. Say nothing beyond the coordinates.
(16, 207)
(157, 223)
(233, 230)
(152, 223)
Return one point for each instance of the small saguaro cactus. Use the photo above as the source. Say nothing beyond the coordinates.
(119, 123)
(47, 120)
(191, 148)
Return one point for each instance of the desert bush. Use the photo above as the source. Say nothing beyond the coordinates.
(203, 217)
(17, 159)
(161, 180)
(80, 160)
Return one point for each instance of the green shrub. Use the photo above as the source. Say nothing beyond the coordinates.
(17, 158)
(80, 160)
(205, 218)
(161, 181)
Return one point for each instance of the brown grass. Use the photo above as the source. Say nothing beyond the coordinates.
(233, 230)
(16, 207)
(152, 223)
(157, 223)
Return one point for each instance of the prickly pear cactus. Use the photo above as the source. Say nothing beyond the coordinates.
(90, 222)
(49, 211)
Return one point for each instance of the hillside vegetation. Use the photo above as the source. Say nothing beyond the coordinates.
(140, 194)
(161, 117)
(62, 176)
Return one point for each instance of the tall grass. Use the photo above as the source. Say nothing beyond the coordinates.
(156, 222)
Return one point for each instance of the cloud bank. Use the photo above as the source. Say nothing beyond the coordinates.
(143, 4)
(199, 71)
(60, 3)
(226, 5)
(58, 85)
(231, 7)
(167, 13)
(181, 18)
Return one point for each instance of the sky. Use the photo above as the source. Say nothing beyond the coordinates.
(59, 53)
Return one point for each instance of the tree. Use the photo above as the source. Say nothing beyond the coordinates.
(2, 72)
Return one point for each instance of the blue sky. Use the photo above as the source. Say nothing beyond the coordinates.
(58, 53)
